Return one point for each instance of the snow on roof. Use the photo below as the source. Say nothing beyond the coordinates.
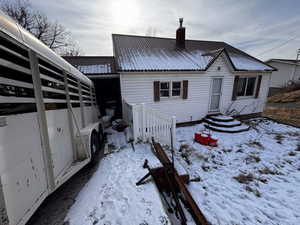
(140, 53)
(90, 65)
(95, 69)
(247, 63)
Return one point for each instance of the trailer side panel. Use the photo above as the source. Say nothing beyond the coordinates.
(3, 213)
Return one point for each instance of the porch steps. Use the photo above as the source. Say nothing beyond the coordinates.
(222, 123)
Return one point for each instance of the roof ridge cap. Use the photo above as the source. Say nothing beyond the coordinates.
(169, 38)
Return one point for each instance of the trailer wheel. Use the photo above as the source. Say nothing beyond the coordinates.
(100, 135)
(95, 146)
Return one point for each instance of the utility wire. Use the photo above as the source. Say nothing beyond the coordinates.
(278, 46)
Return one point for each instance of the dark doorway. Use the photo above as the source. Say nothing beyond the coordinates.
(108, 94)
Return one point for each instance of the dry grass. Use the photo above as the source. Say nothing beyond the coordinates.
(255, 143)
(298, 148)
(185, 156)
(279, 138)
(201, 157)
(205, 168)
(253, 190)
(252, 159)
(290, 88)
(186, 151)
(183, 147)
(293, 134)
(245, 178)
(291, 153)
(226, 150)
(267, 171)
(290, 94)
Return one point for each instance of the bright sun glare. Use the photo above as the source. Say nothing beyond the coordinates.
(125, 13)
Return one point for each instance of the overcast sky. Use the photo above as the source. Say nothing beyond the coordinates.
(256, 26)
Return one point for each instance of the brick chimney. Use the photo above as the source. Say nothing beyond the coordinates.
(180, 35)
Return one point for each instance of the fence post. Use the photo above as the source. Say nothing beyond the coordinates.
(174, 129)
(143, 125)
(135, 122)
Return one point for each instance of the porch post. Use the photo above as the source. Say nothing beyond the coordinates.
(143, 124)
(135, 123)
(174, 129)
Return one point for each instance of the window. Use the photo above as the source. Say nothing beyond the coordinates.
(170, 89)
(176, 88)
(246, 86)
(164, 89)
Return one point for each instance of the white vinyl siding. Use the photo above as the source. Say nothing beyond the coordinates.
(138, 88)
(285, 72)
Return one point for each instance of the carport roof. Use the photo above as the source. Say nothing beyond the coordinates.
(93, 65)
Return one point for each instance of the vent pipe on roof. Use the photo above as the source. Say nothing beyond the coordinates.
(180, 35)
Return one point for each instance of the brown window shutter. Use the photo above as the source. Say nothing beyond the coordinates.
(258, 86)
(185, 85)
(235, 86)
(156, 91)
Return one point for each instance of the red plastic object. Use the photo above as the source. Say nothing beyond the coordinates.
(206, 139)
(213, 141)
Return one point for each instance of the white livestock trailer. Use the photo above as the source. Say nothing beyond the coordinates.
(49, 126)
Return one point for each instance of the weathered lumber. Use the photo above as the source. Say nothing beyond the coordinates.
(196, 213)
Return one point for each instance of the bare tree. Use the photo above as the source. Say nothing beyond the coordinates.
(52, 34)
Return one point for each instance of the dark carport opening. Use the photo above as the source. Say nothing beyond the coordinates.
(108, 95)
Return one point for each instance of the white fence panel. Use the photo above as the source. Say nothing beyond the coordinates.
(147, 122)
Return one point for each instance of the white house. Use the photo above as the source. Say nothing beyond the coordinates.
(189, 78)
(287, 70)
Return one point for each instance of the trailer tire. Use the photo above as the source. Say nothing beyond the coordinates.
(95, 146)
(100, 135)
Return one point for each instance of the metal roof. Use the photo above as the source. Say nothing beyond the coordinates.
(93, 65)
(141, 53)
(288, 61)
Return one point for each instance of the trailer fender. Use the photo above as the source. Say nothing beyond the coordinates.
(86, 134)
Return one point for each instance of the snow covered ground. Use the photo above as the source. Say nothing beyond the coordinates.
(250, 178)
(111, 196)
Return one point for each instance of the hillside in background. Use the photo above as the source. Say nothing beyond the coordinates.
(285, 106)
(286, 97)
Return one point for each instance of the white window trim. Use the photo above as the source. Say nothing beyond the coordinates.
(170, 89)
(255, 86)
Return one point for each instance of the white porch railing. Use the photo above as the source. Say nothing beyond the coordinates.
(147, 122)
